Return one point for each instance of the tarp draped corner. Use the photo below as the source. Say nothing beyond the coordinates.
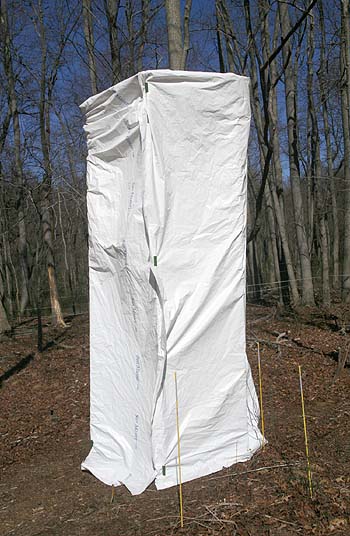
(166, 174)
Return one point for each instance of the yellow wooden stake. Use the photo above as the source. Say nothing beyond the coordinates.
(178, 452)
(305, 433)
(261, 398)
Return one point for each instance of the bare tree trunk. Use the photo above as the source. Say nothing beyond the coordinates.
(131, 37)
(316, 168)
(90, 44)
(145, 6)
(9, 274)
(326, 291)
(178, 44)
(5, 297)
(225, 26)
(46, 186)
(4, 324)
(218, 38)
(68, 148)
(8, 302)
(335, 237)
(173, 18)
(254, 290)
(273, 237)
(291, 108)
(345, 103)
(22, 239)
(310, 188)
(186, 43)
(112, 10)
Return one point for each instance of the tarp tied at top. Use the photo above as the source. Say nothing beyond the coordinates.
(167, 228)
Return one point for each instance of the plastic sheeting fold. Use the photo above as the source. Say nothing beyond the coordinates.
(166, 174)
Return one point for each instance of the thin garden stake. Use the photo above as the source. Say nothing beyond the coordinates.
(261, 398)
(305, 433)
(178, 451)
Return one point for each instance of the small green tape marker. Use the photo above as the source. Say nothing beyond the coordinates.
(163, 470)
(155, 260)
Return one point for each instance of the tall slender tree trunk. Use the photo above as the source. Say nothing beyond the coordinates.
(254, 291)
(4, 323)
(292, 130)
(333, 194)
(112, 10)
(316, 168)
(224, 25)
(345, 103)
(273, 238)
(331, 180)
(178, 38)
(90, 44)
(46, 186)
(145, 7)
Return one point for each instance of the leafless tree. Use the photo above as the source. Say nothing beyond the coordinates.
(345, 103)
(90, 44)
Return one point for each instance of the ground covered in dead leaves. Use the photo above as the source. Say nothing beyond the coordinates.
(44, 433)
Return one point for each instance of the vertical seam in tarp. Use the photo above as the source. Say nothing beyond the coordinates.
(153, 279)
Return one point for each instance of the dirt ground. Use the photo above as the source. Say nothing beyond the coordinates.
(44, 432)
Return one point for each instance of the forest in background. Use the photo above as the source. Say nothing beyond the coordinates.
(56, 53)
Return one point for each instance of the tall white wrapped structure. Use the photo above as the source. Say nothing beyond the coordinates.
(167, 227)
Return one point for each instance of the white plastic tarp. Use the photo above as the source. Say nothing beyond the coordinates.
(167, 231)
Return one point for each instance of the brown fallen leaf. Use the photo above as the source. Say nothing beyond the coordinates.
(337, 523)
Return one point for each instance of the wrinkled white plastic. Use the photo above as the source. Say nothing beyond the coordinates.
(167, 157)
